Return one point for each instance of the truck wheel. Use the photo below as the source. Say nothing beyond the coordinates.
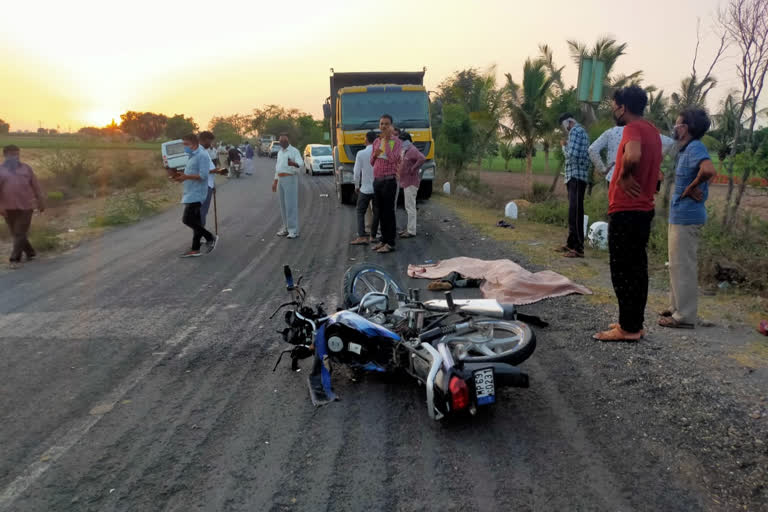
(346, 194)
(425, 190)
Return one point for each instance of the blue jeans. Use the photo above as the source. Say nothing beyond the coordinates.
(205, 205)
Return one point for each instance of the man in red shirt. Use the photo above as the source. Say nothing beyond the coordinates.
(630, 212)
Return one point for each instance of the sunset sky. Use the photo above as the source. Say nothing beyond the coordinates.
(85, 62)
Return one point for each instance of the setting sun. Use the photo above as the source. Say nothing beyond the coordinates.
(102, 117)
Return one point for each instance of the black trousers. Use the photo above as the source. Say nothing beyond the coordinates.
(384, 191)
(576, 189)
(192, 219)
(628, 234)
(18, 224)
(363, 200)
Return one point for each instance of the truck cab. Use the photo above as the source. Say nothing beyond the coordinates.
(355, 106)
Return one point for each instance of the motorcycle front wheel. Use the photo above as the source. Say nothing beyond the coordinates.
(364, 278)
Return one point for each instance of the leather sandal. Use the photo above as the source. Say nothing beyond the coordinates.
(617, 334)
(616, 325)
(361, 240)
(573, 254)
(378, 246)
(673, 323)
(385, 248)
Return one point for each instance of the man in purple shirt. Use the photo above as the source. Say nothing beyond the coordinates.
(385, 159)
(409, 180)
(20, 194)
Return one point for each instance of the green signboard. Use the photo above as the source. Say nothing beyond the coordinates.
(591, 78)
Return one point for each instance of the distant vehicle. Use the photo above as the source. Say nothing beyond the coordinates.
(173, 153)
(318, 158)
(274, 147)
(264, 143)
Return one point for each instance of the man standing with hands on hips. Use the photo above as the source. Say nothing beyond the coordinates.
(286, 185)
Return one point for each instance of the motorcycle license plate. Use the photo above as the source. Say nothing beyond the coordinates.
(485, 388)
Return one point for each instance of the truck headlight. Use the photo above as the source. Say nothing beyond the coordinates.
(428, 172)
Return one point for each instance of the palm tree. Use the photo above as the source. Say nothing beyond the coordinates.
(506, 150)
(724, 125)
(526, 105)
(693, 92)
(607, 50)
(658, 109)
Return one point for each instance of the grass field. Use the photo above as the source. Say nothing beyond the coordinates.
(70, 142)
(539, 164)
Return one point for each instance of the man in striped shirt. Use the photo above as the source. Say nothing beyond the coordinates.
(576, 178)
(385, 159)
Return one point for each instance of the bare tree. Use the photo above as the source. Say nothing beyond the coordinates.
(745, 23)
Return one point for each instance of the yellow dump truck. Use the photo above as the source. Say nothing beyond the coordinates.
(356, 103)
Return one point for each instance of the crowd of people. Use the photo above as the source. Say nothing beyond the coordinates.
(634, 151)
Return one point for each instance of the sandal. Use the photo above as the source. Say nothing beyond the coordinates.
(617, 334)
(406, 234)
(562, 248)
(573, 254)
(673, 323)
(378, 246)
(361, 240)
(616, 326)
(666, 312)
(385, 248)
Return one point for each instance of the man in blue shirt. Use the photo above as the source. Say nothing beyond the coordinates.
(195, 183)
(687, 214)
(576, 178)
(248, 159)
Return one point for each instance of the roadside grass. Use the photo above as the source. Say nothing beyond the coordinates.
(124, 209)
(518, 166)
(71, 142)
(535, 240)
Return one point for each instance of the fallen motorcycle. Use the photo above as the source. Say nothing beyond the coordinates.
(461, 351)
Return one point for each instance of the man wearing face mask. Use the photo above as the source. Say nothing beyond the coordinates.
(206, 140)
(195, 182)
(286, 185)
(576, 178)
(630, 212)
(20, 194)
(687, 214)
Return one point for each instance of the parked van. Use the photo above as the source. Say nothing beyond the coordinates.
(174, 156)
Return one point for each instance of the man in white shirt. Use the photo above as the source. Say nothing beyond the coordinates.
(364, 186)
(609, 141)
(286, 185)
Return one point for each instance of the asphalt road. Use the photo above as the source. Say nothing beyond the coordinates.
(133, 380)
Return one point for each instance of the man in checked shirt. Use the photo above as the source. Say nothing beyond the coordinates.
(576, 178)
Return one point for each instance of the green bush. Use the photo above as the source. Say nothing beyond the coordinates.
(551, 211)
(55, 195)
(43, 237)
(124, 210)
(540, 192)
(72, 172)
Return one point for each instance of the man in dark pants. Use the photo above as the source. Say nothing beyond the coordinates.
(630, 212)
(195, 181)
(19, 195)
(385, 159)
(576, 178)
(363, 178)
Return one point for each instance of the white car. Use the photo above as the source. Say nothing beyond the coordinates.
(174, 157)
(274, 147)
(318, 158)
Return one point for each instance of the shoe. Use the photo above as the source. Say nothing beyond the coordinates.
(32, 256)
(210, 246)
(14, 265)
(191, 254)
(282, 232)
(292, 235)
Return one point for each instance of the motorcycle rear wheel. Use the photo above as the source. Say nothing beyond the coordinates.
(364, 278)
(494, 341)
